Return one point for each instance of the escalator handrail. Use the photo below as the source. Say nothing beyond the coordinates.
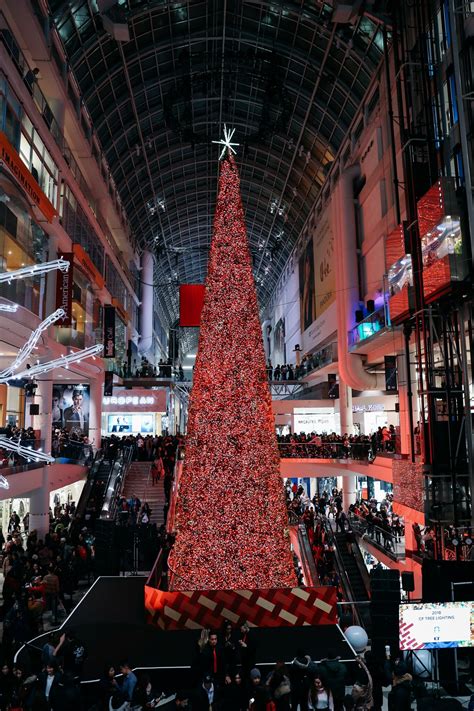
(349, 593)
(307, 559)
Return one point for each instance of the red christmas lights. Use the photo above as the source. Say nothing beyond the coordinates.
(231, 518)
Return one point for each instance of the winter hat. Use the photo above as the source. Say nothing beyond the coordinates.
(255, 674)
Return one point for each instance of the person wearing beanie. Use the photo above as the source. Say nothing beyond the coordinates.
(257, 693)
(335, 673)
(399, 698)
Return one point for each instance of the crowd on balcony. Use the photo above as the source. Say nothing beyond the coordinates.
(289, 371)
(334, 446)
(71, 445)
(145, 369)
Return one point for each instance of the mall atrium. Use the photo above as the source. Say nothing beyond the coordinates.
(236, 375)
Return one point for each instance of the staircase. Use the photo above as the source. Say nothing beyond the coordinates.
(138, 482)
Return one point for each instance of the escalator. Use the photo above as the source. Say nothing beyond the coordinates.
(354, 578)
(352, 567)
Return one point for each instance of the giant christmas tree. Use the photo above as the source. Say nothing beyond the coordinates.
(231, 518)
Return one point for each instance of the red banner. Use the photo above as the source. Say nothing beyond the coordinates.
(64, 283)
(191, 301)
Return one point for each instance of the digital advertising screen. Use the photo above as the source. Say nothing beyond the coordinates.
(436, 625)
(130, 424)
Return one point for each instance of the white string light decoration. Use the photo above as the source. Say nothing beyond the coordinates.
(9, 309)
(26, 452)
(61, 362)
(34, 270)
(26, 350)
(3, 482)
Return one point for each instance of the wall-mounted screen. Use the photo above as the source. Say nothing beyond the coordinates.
(130, 424)
(437, 625)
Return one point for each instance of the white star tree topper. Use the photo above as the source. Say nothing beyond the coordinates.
(226, 142)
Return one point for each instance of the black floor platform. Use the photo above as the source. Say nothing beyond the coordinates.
(110, 621)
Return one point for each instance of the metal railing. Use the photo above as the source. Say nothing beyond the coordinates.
(115, 482)
(391, 543)
(326, 449)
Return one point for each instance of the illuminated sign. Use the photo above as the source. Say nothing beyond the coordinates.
(128, 400)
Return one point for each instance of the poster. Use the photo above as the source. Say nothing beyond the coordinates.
(71, 406)
(307, 291)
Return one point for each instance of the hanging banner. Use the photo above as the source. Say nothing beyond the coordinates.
(191, 301)
(64, 284)
(12, 161)
(108, 383)
(391, 373)
(109, 332)
(333, 386)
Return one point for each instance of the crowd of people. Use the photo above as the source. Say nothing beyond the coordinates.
(41, 575)
(333, 446)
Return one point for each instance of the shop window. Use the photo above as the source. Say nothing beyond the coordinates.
(12, 126)
(8, 219)
(453, 98)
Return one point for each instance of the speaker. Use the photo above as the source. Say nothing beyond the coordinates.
(34, 409)
(385, 599)
(408, 581)
(370, 306)
(359, 315)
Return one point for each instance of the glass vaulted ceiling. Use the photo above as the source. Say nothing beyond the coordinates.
(286, 77)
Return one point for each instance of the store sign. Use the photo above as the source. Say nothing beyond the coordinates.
(191, 302)
(109, 332)
(372, 407)
(12, 161)
(128, 400)
(64, 284)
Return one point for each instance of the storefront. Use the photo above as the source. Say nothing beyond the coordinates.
(370, 413)
(137, 411)
(21, 506)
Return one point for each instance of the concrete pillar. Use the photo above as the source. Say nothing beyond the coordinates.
(348, 490)
(95, 410)
(145, 344)
(404, 416)
(39, 507)
(43, 421)
(345, 409)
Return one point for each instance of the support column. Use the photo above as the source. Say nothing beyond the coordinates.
(145, 344)
(345, 409)
(349, 493)
(95, 410)
(43, 422)
(39, 507)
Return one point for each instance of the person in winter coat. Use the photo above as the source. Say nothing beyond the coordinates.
(280, 690)
(399, 698)
(334, 672)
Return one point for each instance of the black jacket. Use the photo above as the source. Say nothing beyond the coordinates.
(399, 698)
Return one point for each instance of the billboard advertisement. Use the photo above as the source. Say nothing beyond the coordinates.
(436, 625)
(317, 286)
(325, 277)
(70, 408)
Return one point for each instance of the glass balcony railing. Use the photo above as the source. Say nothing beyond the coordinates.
(369, 326)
